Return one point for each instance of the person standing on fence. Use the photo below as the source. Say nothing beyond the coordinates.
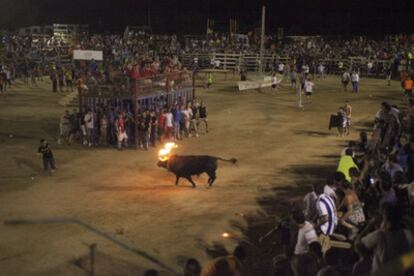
(121, 134)
(355, 81)
(47, 156)
(202, 111)
(346, 77)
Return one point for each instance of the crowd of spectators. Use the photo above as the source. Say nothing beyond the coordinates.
(360, 220)
(114, 125)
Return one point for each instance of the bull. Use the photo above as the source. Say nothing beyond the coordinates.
(188, 165)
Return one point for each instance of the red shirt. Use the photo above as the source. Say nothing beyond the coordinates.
(120, 124)
(161, 121)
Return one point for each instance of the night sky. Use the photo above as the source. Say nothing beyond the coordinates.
(331, 17)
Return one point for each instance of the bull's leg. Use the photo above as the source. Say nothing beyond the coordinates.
(176, 180)
(191, 181)
(212, 178)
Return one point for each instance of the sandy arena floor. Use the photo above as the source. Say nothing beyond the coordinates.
(127, 195)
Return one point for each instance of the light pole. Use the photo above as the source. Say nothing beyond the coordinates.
(262, 39)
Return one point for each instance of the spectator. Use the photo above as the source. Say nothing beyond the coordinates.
(327, 220)
(306, 233)
(388, 242)
(90, 127)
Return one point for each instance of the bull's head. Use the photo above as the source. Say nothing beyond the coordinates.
(162, 164)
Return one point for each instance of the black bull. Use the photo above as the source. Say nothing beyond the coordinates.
(188, 165)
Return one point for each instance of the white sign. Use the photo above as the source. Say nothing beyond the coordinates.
(87, 55)
(247, 85)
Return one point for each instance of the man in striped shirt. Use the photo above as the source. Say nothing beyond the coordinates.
(327, 211)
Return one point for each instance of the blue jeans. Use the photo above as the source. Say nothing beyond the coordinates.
(48, 161)
(176, 130)
(355, 86)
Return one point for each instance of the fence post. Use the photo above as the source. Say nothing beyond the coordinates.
(92, 255)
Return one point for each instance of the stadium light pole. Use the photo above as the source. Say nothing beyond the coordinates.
(262, 39)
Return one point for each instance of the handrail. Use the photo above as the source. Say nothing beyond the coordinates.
(95, 230)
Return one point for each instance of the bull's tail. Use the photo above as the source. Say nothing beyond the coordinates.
(232, 160)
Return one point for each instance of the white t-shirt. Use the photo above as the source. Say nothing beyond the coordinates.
(188, 113)
(321, 68)
(355, 77)
(274, 80)
(281, 66)
(89, 120)
(346, 76)
(306, 235)
(168, 119)
(308, 86)
(329, 191)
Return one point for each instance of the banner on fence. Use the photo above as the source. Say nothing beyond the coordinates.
(87, 55)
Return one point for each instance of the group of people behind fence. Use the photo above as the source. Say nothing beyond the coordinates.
(107, 125)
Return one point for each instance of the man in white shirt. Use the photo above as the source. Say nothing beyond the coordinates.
(188, 114)
(168, 123)
(281, 68)
(321, 71)
(306, 233)
(308, 88)
(355, 82)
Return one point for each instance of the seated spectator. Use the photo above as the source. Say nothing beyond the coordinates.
(392, 166)
(309, 205)
(354, 216)
(192, 268)
(304, 265)
(281, 266)
(388, 195)
(388, 242)
(306, 233)
(327, 219)
(345, 163)
(222, 266)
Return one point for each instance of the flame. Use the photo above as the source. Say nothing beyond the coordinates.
(225, 235)
(164, 153)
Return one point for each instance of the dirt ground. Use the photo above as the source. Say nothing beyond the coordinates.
(126, 195)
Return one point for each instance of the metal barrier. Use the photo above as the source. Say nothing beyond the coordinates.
(251, 62)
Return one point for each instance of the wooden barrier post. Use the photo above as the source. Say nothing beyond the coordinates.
(135, 107)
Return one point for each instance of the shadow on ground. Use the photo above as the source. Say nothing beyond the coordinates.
(275, 205)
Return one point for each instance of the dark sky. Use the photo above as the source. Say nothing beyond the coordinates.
(179, 16)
